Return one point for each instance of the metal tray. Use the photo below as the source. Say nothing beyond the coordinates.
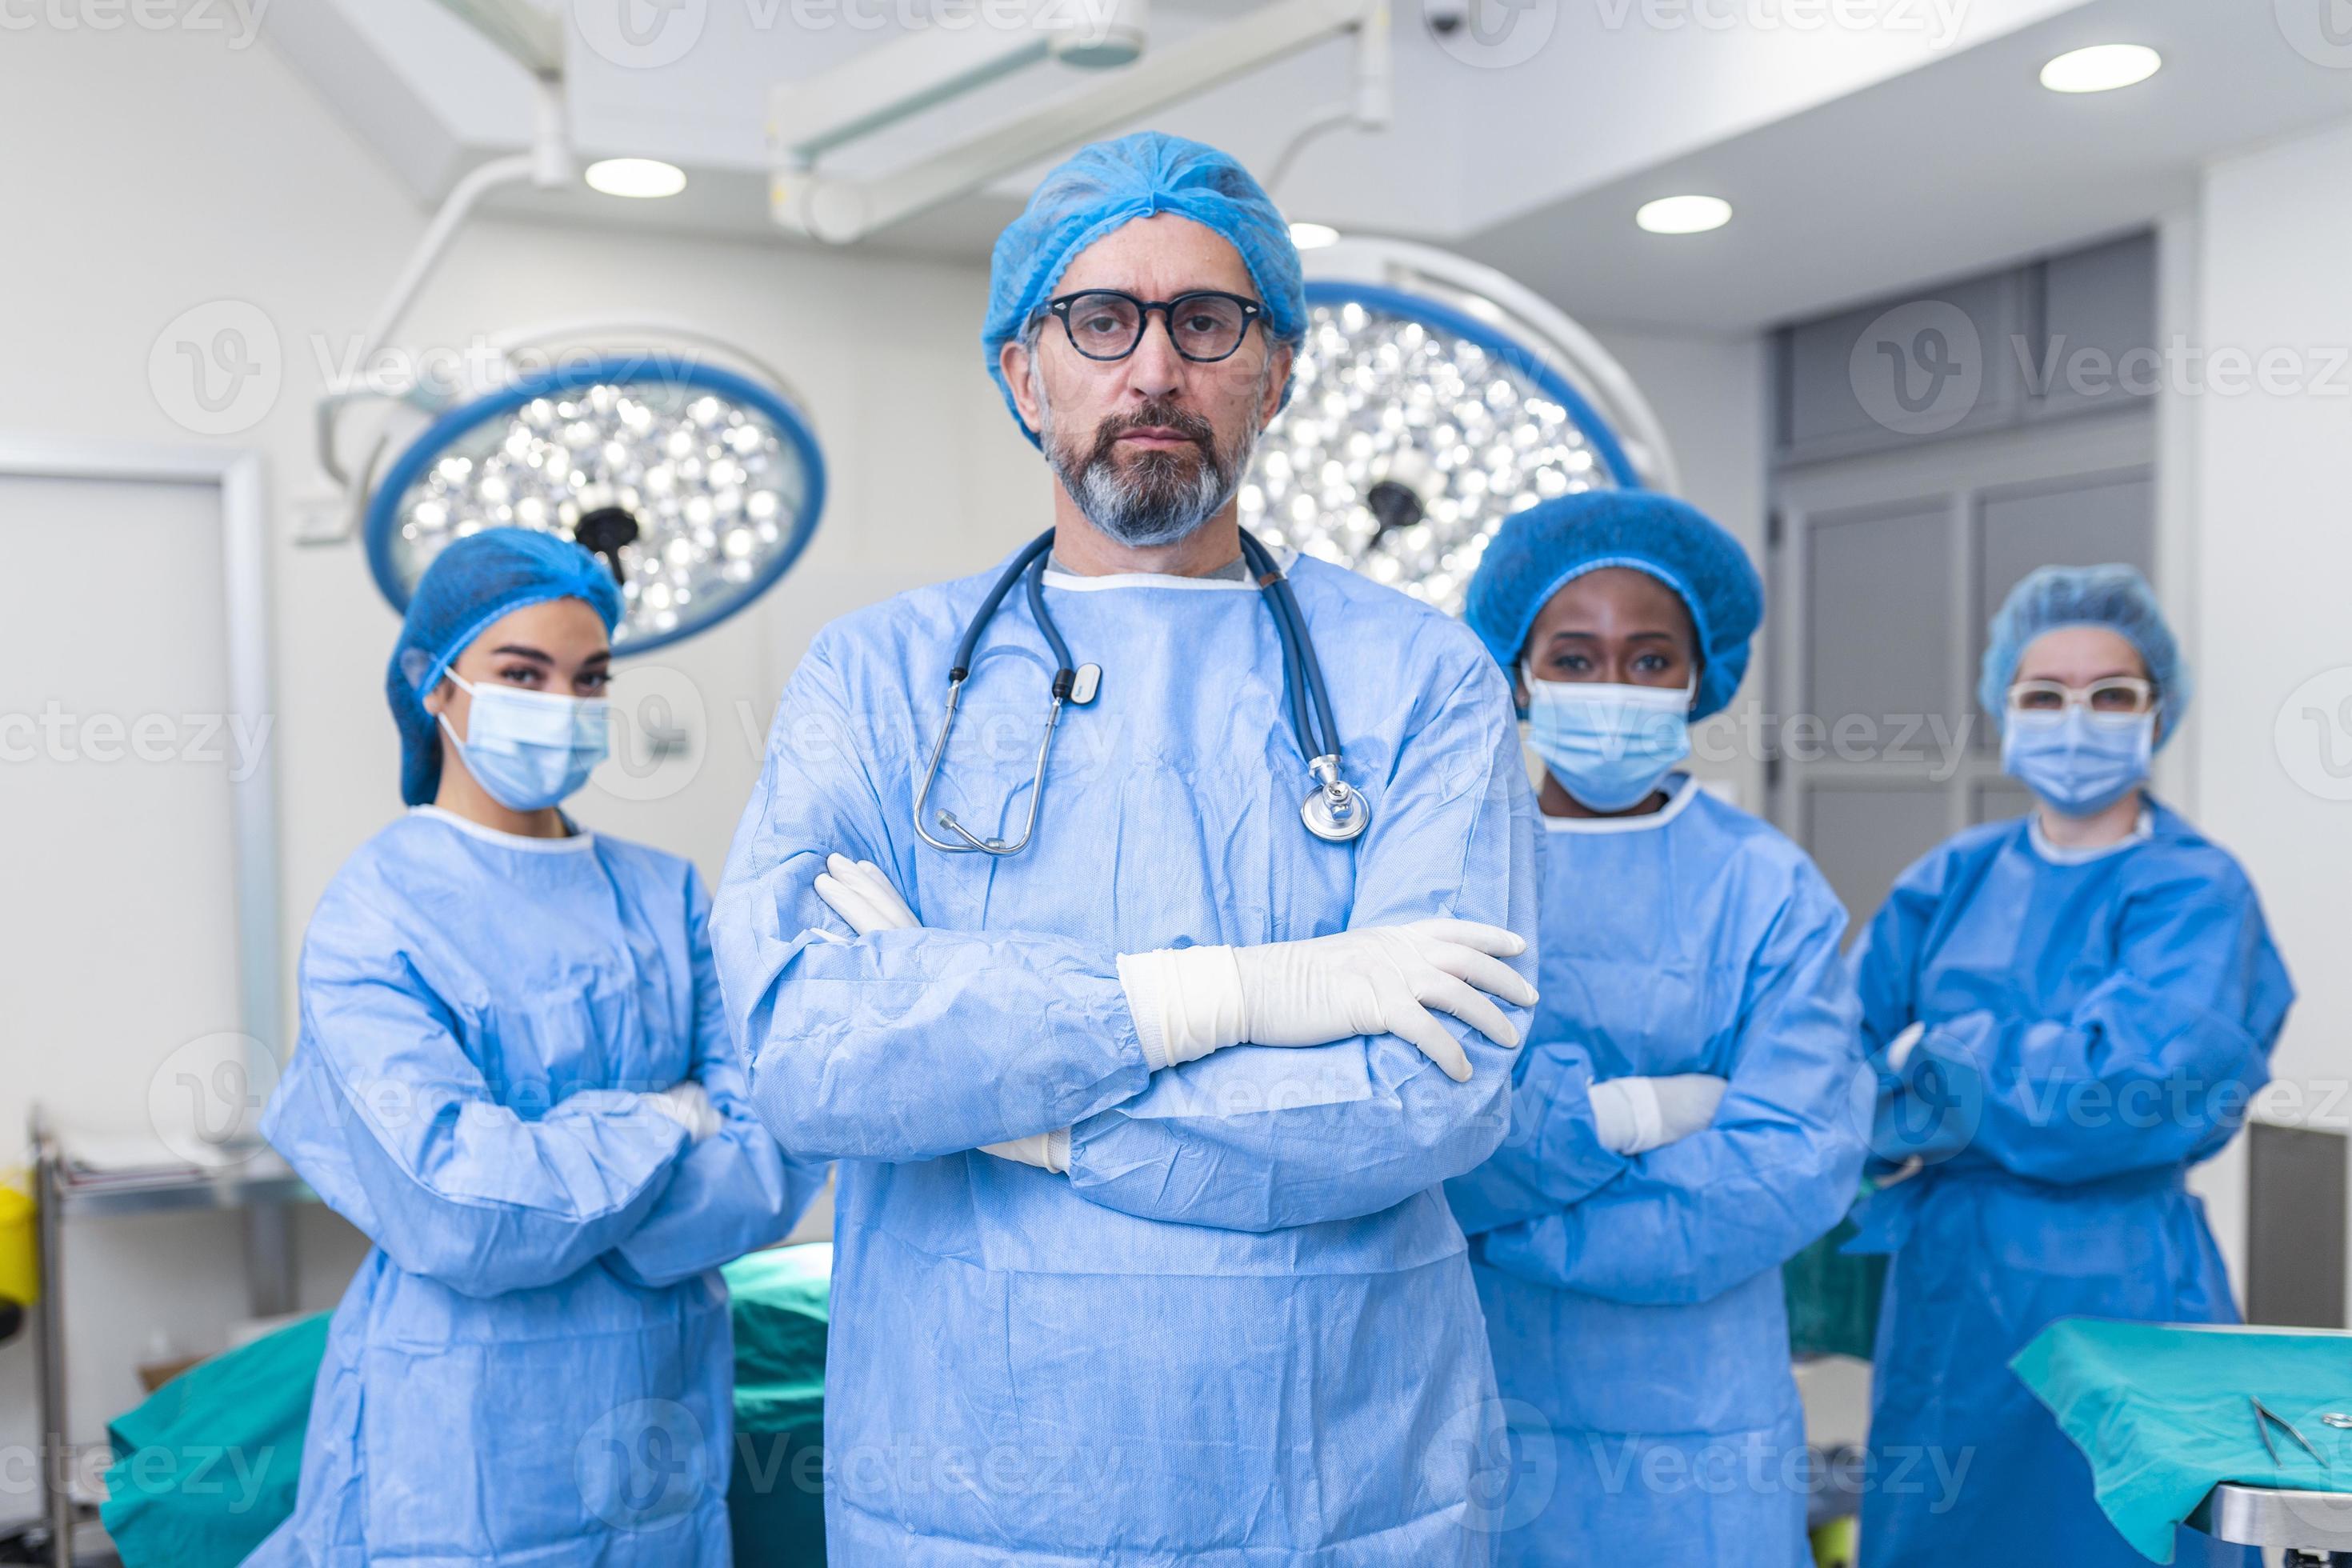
(2273, 1516)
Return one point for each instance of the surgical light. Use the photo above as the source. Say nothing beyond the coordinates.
(2102, 68)
(1434, 398)
(698, 486)
(1684, 215)
(1313, 235)
(642, 178)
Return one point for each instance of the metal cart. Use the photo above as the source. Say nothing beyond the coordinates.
(260, 1187)
(2315, 1528)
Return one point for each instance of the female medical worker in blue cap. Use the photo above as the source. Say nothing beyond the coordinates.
(2068, 1012)
(514, 1074)
(1683, 1119)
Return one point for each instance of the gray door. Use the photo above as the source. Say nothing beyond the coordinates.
(1885, 572)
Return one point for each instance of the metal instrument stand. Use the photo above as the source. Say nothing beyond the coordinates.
(261, 1188)
(2315, 1528)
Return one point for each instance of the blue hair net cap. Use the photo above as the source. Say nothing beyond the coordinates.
(1538, 550)
(469, 586)
(1109, 184)
(2115, 597)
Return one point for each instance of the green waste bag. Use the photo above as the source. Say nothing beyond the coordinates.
(1834, 1299)
(206, 1467)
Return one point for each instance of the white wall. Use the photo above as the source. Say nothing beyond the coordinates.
(2271, 529)
(148, 173)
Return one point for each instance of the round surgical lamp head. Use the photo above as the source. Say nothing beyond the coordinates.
(697, 486)
(1435, 397)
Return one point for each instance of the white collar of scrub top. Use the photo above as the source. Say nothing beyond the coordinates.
(2142, 830)
(1284, 558)
(1685, 791)
(578, 842)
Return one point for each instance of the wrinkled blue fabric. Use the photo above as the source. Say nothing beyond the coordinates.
(471, 584)
(2115, 597)
(1108, 184)
(1635, 1305)
(1539, 551)
(2093, 1030)
(1242, 1330)
(533, 1364)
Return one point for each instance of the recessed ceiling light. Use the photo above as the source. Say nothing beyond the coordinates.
(1313, 235)
(2103, 67)
(1684, 215)
(635, 177)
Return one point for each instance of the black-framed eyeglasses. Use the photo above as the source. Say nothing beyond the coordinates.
(1206, 325)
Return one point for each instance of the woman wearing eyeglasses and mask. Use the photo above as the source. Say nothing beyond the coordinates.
(2068, 1012)
(514, 1074)
(1682, 1115)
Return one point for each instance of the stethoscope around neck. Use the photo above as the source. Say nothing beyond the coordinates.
(1334, 811)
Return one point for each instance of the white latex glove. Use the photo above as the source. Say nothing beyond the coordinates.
(1687, 1102)
(1634, 1115)
(686, 1103)
(1190, 1001)
(860, 894)
(1046, 1150)
(1899, 1051)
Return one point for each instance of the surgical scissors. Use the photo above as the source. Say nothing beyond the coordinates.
(2265, 1419)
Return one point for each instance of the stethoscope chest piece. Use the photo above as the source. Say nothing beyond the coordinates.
(1337, 811)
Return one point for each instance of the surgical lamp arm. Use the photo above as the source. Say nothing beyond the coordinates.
(547, 165)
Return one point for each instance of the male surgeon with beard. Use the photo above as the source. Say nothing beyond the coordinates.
(1142, 1103)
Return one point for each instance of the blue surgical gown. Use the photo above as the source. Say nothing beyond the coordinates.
(1241, 1329)
(533, 1364)
(2093, 1030)
(1635, 1305)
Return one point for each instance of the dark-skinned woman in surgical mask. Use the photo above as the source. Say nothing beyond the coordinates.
(1681, 1119)
(2066, 1010)
(514, 1074)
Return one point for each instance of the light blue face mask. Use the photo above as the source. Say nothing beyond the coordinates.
(2080, 765)
(529, 749)
(1608, 745)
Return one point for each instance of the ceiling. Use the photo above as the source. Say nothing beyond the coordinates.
(1962, 165)
(1914, 143)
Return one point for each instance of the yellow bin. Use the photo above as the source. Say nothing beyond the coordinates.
(20, 1253)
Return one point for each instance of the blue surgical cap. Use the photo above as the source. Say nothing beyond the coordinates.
(1539, 551)
(469, 586)
(1110, 183)
(2115, 597)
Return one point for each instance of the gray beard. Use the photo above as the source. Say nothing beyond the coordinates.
(1159, 498)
